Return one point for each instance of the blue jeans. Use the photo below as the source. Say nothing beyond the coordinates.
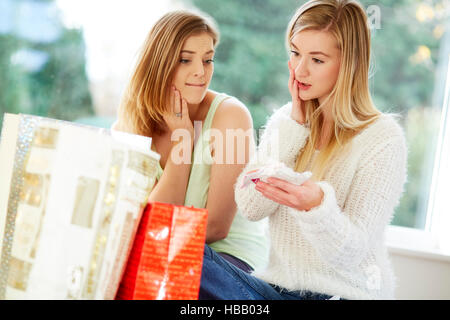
(223, 281)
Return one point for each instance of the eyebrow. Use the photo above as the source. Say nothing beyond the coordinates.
(192, 52)
(313, 52)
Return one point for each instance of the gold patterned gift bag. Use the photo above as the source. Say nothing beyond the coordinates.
(71, 197)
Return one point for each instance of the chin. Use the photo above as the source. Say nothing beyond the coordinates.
(195, 98)
(306, 97)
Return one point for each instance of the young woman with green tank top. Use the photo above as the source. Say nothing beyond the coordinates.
(167, 97)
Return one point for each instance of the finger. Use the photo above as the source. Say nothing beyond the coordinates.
(290, 81)
(269, 188)
(291, 77)
(282, 184)
(177, 103)
(184, 109)
(171, 100)
(295, 91)
(278, 198)
(260, 187)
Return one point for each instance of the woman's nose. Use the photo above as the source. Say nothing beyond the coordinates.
(301, 70)
(199, 69)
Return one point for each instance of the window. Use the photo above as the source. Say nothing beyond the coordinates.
(70, 60)
(411, 57)
(438, 217)
(42, 63)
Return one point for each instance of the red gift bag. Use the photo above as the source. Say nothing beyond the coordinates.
(165, 262)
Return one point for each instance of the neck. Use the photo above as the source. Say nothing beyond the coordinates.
(194, 111)
(197, 111)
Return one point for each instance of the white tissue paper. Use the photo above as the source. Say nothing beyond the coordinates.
(276, 170)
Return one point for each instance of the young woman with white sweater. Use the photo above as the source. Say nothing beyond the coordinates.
(327, 235)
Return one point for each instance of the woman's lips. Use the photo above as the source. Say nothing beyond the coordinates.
(195, 85)
(303, 86)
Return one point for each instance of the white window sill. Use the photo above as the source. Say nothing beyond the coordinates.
(415, 243)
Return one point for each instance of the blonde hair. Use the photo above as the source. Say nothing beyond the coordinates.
(352, 106)
(145, 98)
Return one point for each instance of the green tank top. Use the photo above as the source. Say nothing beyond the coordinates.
(246, 240)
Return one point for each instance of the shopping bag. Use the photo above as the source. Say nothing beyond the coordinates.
(71, 198)
(165, 262)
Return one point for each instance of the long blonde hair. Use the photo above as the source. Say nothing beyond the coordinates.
(145, 98)
(352, 106)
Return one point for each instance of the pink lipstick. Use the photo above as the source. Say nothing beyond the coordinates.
(303, 86)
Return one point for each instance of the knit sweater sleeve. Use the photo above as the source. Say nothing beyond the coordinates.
(281, 141)
(342, 237)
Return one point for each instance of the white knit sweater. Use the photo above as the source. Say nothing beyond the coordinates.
(338, 247)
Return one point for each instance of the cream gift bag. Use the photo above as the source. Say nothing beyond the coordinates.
(71, 197)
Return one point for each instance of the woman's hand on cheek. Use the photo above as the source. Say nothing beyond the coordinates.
(177, 116)
(303, 198)
(297, 112)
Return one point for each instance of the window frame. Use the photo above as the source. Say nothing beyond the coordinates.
(434, 241)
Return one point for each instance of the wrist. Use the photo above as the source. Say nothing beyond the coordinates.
(318, 200)
(181, 150)
(184, 135)
(302, 122)
(183, 142)
(299, 119)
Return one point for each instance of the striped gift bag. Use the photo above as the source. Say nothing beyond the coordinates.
(165, 262)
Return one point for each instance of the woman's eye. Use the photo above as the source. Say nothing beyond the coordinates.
(209, 61)
(317, 61)
(184, 60)
(295, 53)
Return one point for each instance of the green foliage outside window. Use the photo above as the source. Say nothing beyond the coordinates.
(43, 76)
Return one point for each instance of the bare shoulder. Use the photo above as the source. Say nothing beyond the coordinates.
(232, 113)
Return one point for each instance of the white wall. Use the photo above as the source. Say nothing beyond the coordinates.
(421, 277)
